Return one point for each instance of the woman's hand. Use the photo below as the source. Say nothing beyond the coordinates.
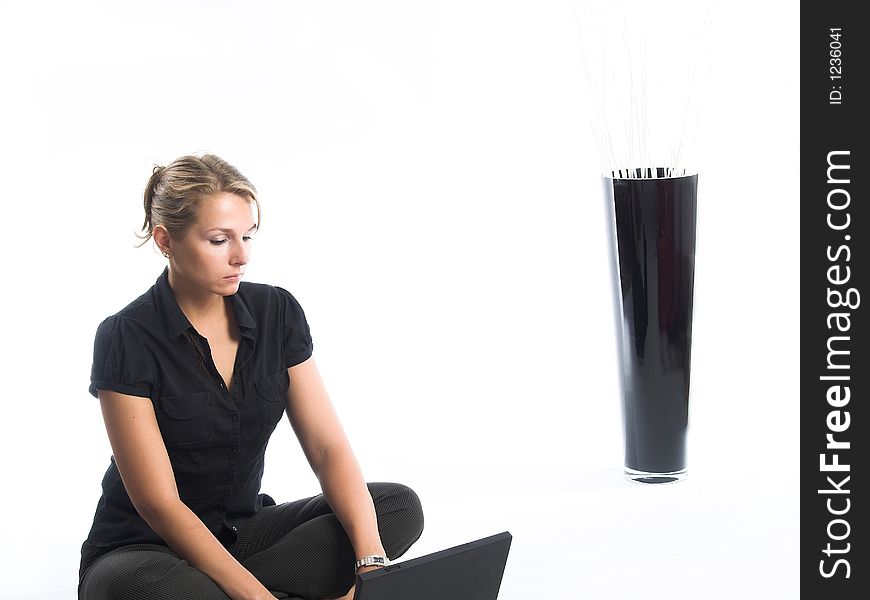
(367, 568)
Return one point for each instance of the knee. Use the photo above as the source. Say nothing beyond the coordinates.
(402, 505)
(112, 575)
(414, 512)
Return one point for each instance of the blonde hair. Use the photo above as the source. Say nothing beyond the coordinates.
(173, 192)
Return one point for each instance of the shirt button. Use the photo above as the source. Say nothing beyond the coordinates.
(234, 528)
(235, 450)
(236, 417)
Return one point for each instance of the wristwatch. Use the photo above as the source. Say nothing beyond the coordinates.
(372, 560)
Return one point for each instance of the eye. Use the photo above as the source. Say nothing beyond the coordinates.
(220, 242)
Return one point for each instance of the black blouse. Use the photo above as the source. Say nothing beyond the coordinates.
(216, 439)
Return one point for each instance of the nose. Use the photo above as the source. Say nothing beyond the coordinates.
(241, 254)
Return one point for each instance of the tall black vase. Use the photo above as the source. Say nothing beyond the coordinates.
(653, 254)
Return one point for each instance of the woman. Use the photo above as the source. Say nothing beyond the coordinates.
(192, 378)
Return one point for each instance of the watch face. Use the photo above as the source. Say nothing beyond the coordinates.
(370, 560)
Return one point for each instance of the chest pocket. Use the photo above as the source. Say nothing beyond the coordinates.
(186, 420)
(272, 396)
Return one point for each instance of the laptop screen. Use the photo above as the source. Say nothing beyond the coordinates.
(471, 571)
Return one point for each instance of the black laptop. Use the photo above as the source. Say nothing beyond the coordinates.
(471, 571)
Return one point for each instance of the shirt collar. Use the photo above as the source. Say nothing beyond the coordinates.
(175, 322)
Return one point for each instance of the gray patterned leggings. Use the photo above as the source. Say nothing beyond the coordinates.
(295, 549)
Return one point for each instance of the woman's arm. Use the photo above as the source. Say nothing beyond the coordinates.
(150, 482)
(328, 452)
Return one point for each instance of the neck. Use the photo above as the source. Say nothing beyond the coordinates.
(202, 308)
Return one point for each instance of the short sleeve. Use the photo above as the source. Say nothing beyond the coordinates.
(298, 346)
(121, 362)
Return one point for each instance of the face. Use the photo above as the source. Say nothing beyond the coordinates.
(216, 246)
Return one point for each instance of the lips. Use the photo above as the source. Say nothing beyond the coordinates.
(235, 275)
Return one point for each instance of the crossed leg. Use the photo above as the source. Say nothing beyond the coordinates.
(301, 547)
(296, 549)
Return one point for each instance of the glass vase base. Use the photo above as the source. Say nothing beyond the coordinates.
(647, 477)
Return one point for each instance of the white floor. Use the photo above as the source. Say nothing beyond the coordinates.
(584, 533)
(580, 534)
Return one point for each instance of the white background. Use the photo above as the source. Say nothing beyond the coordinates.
(430, 193)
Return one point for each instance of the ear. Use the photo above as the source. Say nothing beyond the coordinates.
(161, 238)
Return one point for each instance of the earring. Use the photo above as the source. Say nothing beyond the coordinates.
(167, 255)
